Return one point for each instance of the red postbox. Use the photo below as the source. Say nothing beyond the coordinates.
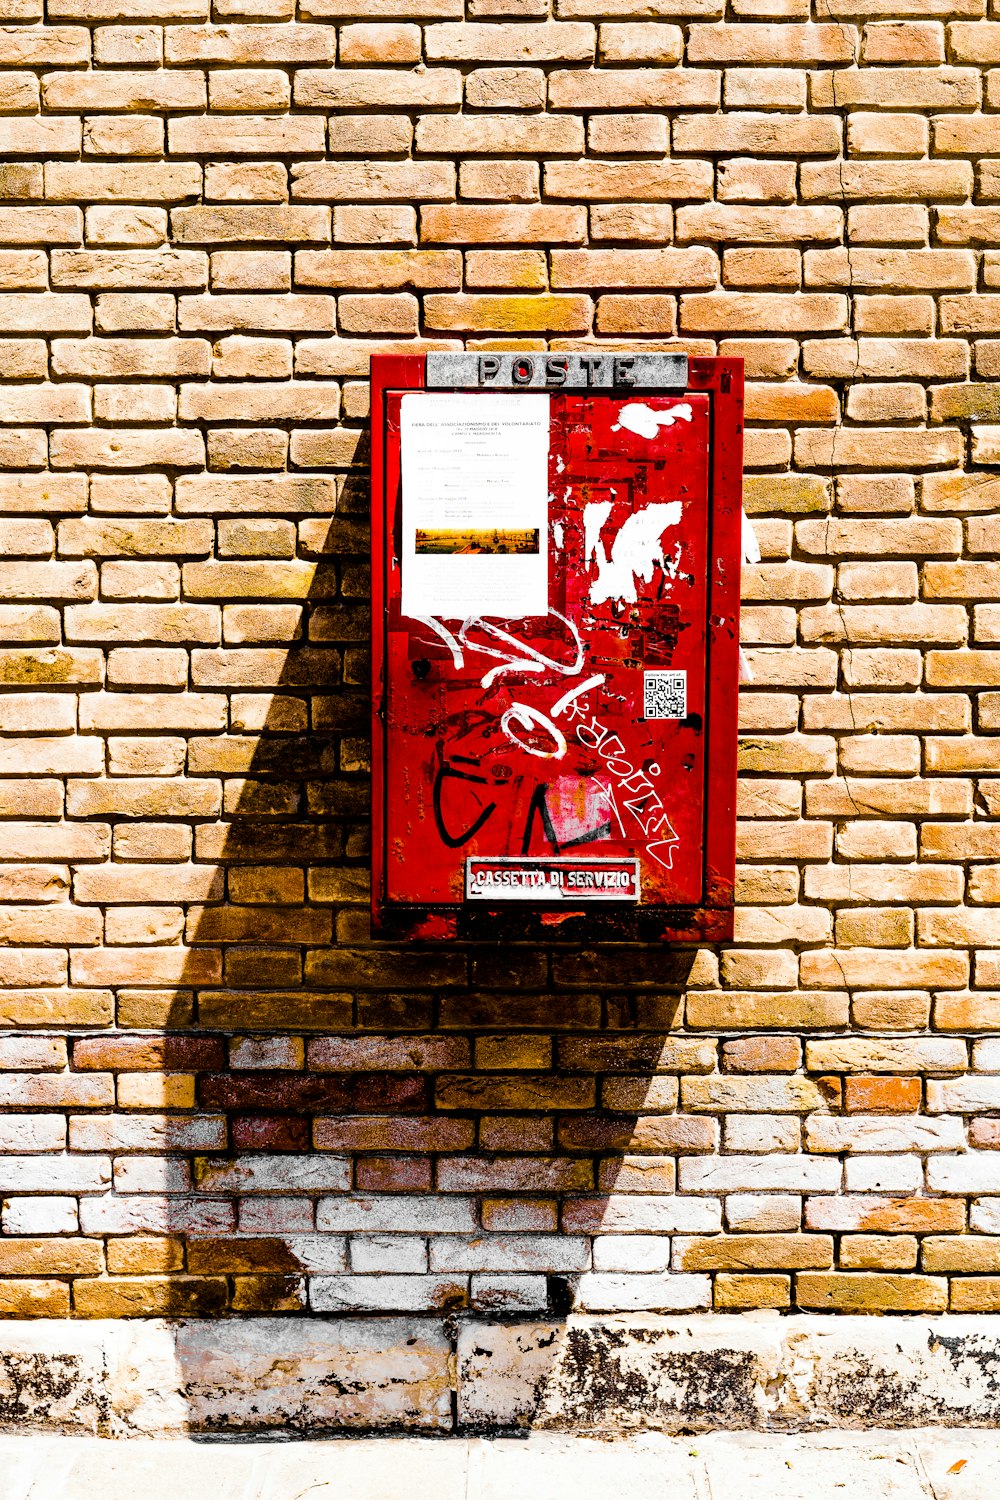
(556, 550)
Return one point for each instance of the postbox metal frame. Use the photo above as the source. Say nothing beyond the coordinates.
(711, 919)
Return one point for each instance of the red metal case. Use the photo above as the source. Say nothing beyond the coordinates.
(568, 774)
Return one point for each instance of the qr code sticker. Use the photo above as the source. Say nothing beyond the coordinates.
(665, 695)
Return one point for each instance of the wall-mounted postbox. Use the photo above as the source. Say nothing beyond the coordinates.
(555, 593)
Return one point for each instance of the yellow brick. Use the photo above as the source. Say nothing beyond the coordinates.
(736, 1293)
(871, 1292)
(873, 1252)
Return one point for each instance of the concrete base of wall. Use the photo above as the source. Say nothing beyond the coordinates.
(594, 1375)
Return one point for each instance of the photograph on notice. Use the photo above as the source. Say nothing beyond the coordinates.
(484, 542)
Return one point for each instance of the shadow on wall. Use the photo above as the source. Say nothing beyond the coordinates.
(404, 1137)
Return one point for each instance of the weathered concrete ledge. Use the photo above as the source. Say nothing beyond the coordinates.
(596, 1375)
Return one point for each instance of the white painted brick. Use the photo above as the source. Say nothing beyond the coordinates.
(385, 1293)
(606, 1292)
(121, 1132)
(400, 1253)
(152, 1174)
(275, 1174)
(986, 1055)
(277, 1215)
(882, 1133)
(769, 1213)
(967, 1095)
(24, 1133)
(975, 1172)
(39, 1216)
(509, 1293)
(56, 1174)
(510, 1252)
(397, 1213)
(631, 1252)
(660, 1215)
(811, 1174)
(884, 1174)
(984, 1216)
(122, 1215)
(763, 1132)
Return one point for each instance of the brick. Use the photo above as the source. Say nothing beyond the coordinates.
(510, 135)
(722, 311)
(869, 1291)
(379, 269)
(614, 181)
(652, 43)
(753, 1252)
(757, 135)
(765, 226)
(866, 180)
(873, 134)
(248, 89)
(354, 182)
(261, 312)
(896, 88)
(649, 222)
(633, 268)
(380, 43)
(475, 224)
(248, 44)
(749, 1009)
(505, 88)
(620, 88)
(903, 42)
(507, 314)
(285, 136)
(953, 133)
(896, 269)
(523, 269)
(975, 41)
(206, 224)
(738, 1292)
(762, 44)
(128, 269)
(473, 42)
(747, 179)
(753, 1094)
(963, 226)
(877, 448)
(346, 88)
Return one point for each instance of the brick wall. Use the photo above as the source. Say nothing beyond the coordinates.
(216, 1092)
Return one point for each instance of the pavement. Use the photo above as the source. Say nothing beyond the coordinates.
(924, 1464)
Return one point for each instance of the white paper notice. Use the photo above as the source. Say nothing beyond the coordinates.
(475, 505)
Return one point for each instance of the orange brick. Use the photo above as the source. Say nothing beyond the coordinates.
(881, 1095)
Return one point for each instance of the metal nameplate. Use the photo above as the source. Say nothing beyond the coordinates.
(588, 369)
(561, 878)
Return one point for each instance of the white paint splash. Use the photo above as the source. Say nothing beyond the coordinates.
(751, 546)
(635, 552)
(646, 422)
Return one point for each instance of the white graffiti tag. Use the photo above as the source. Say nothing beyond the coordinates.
(642, 802)
(515, 656)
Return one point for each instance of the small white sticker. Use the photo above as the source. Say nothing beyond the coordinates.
(665, 695)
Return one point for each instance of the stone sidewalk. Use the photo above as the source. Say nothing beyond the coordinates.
(926, 1464)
